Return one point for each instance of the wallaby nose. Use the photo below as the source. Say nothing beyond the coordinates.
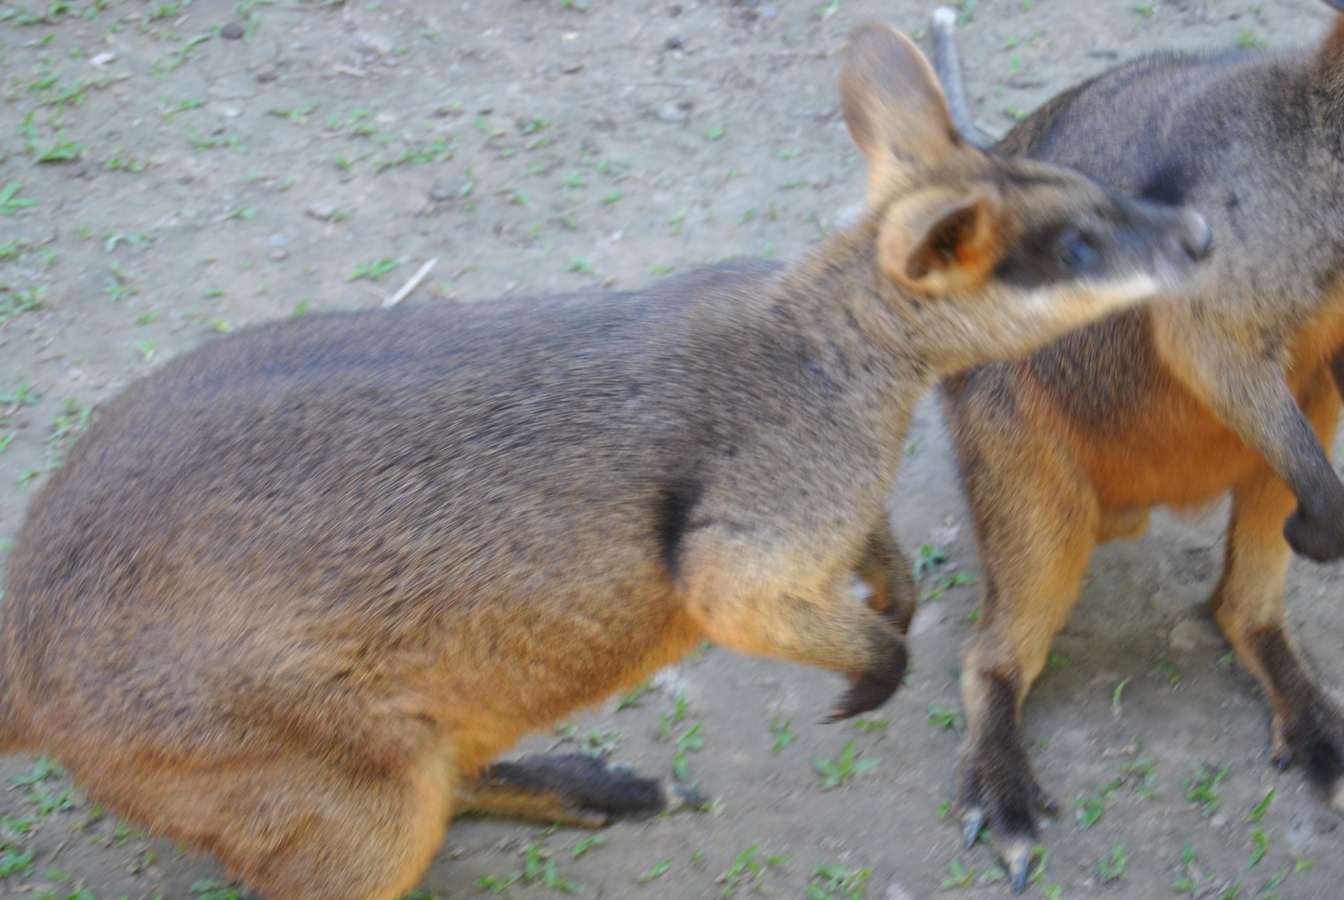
(1196, 235)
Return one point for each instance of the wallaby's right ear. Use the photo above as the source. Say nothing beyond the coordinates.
(893, 105)
(938, 242)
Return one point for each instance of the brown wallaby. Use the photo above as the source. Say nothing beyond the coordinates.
(1227, 390)
(293, 592)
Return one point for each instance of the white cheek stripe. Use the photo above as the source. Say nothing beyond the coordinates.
(1064, 301)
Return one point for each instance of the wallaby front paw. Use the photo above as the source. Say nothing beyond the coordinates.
(1318, 537)
(871, 687)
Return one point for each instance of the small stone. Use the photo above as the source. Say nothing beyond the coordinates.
(769, 11)
(673, 113)
(1190, 634)
(279, 255)
(374, 42)
(927, 617)
(267, 76)
(103, 59)
(848, 216)
(278, 241)
(322, 211)
(1218, 820)
(896, 891)
(442, 191)
(232, 31)
(674, 43)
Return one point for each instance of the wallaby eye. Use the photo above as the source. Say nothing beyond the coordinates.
(1076, 252)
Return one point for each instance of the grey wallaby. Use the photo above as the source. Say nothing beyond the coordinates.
(295, 591)
(1235, 388)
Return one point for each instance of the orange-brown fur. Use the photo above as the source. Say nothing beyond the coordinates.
(293, 593)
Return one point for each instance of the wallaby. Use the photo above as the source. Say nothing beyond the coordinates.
(293, 592)
(1176, 404)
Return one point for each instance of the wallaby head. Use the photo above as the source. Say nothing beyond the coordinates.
(993, 257)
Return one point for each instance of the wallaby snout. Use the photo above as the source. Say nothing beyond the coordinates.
(1196, 235)
(1176, 239)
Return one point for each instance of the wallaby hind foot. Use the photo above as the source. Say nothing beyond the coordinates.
(996, 786)
(571, 789)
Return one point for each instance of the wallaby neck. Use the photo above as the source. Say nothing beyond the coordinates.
(857, 322)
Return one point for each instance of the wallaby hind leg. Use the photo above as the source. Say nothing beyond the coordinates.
(1307, 727)
(1036, 527)
(887, 571)
(569, 789)
(293, 827)
(765, 604)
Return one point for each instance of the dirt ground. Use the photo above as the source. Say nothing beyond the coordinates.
(169, 171)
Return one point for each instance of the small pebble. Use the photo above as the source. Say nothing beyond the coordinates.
(848, 216)
(674, 113)
(443, 191)
(232, 31)
(322, 211)
(897, 891)
(279, 255)
(278, 241)
(374, 42)
(1192, 633)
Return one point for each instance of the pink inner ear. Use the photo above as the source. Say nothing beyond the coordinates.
(954, 240)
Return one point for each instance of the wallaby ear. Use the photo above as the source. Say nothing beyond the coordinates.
(938, 241)
(894, 107)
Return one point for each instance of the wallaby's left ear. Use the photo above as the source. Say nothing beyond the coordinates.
(938, 241)
(894, 106)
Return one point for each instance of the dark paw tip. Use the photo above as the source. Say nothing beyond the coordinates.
(873, 687)
(1311, 537)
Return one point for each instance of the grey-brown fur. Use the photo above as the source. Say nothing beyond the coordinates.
(295, 591)
(1227, 389)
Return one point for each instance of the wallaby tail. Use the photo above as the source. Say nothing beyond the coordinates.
(947, 66)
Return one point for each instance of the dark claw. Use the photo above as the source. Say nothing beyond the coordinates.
(971, 826)
(1017, 856)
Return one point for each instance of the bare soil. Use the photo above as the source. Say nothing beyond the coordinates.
(175, 170)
